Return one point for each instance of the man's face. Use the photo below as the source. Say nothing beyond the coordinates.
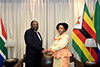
(34, 26)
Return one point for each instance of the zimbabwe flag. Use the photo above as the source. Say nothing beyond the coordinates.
(96, 20)
(80, 35)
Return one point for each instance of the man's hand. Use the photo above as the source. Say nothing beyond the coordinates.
(44, 51)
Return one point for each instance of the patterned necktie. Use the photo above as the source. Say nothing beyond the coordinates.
(38, 35)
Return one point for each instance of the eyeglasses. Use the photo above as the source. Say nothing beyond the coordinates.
(35, 24)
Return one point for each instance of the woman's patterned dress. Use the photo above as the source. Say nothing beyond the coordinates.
(60, 52)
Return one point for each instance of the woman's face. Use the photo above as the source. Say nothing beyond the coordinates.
(61, 29)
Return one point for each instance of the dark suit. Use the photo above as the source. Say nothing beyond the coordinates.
(33, 49)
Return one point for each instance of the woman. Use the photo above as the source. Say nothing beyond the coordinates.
(60, 52)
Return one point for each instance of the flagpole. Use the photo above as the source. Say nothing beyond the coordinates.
(90, 54)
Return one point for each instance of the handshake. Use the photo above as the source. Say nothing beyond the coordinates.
(45, 51)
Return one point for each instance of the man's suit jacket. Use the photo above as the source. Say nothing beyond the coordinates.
(33, 47)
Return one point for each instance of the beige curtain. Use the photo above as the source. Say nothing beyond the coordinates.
(17, 15)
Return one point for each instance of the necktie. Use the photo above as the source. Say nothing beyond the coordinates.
(38, 35)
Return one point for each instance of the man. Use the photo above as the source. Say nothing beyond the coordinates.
(34, 50)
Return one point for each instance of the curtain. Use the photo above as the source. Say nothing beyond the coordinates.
(18, 14)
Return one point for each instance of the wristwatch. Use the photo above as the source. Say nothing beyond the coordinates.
(48, 50)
